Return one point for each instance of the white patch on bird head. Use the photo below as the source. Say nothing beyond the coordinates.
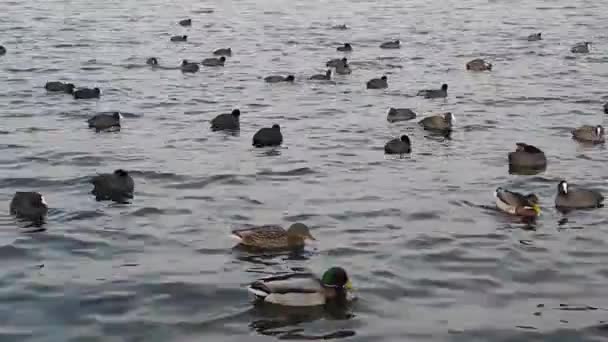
(598, 131)
(565, 187)
(43, 201)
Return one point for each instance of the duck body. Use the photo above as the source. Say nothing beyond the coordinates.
(577, 198)
(322, 77)
(527, 157)
(223, 52)
(117, 186)
(29, 205)
(183, 38)
(55, 86)
(268, 136)
(105, 121)
(377, 83)
(332, 63)
(185, 22)
(87, 93)
(395, 44)
(274, 237)
(438, 123)
(343, 69)
(434, 93)
(277, 79)
(517, 204)
(226, 121)
(606, 108)
(400, 145)
(534, 37)
(400, 114)
(2, 50)
(189, 67)
(590, 134)
(582, 47)
(479, 65)
(213, 62)
(345, 48)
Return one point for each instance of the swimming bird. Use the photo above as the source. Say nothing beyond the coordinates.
(577, 198)
(534, 37)
(517, 204)
(54, 86)
(226, 121)
(588, 133)
(340, 27)
(582, 47)
(188, 66)
(377, 83)
(183, 38)
(438, 123)
(400, 114)
(303, 289)
(268, 136)
(274, 237)
(343, 69)
(434, 93)
(87, 93)
(332, 63)
(29, 205)
(223, 52)
(326, 76)
(153, 61)
(479, 64)
(400, 145)
(117, 186)
(345, 48)
(527, 157)
(277, 79)
(214, 61)
(105, 121)
(606, 108)
(2, 50)
(185, 22)
(395, 44)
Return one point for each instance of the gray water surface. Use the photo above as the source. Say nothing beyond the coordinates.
(429, 257)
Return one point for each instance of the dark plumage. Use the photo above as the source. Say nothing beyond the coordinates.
(577, 198)
(377, 83)
(332, 63)
(67, 88)
(183, 38)
(29, 206)
(345, 48)
(117, 186)
(479, 64)
(582, 47)
(590, 134)
(326, 76)
(185, 22)
(277, 79)
(395, 44)
(189, 67)
(606, 108)
(438, 123)
(400, 114)
(268, 136)
(534, 37)
(434, 93)
(400, 145)
(212, 62)
(223, 52)
(527, 157)
(152, 61)
(87, 93)
(2, 50)
(226, 121)
(105, 121)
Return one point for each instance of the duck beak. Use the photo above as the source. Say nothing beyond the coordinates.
(311, 237)
(348, 286)
(536, 208)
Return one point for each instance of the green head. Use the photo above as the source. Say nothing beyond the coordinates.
(336, 277)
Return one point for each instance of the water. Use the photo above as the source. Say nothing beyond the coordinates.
(430, 262)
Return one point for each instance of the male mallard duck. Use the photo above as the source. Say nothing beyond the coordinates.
(582, 47)
(588, 133)
(517, 204)
(479, 64)
(434, 93)
(274, 237)
(302, 289)
(577, 198)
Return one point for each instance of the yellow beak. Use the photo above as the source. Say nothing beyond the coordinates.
(348, 286)
(536, 208)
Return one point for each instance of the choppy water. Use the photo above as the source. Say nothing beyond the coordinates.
(430, 262)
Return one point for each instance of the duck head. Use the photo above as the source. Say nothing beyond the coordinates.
(337, 279)
(222, 59)
(562, 188)
(152, 61)
(449, 117)
(405, 139)
(97, 91)
(121, 173)
(444, 87)
(236, 113)
(290, 78)
(300, 231)
(384, 78)
(347, 46)
(116, 115)
(533, 201)
(276, 126)
(328, 73)
(599, 130)
(37, 201)
(69, 88)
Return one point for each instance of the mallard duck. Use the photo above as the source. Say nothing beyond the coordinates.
(87, 93)
(527, 156)
(268, 136)
(517, 204)
(324, 77)
(303, 289)
(588, 133)
(434, 93)
(345, 48)
(273, 236)
(226, 121)
(479, 65)
(55, 86)
(105, 121)
(438, 123)
(400, 114)
(400, 145)
(377, 83)
(577, 198)
(582, 47)
(29, 205)
(278, 78)
(534, 37)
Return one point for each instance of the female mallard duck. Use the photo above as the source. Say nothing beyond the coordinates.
(303, 289)
(274, 237)
(479, 64)
(517, 204)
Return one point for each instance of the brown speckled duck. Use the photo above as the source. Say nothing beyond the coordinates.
(273, 236)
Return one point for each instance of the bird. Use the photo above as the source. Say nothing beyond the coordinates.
(268, 136)
(377, 83)
(303, 289)
(340, 27)
(153, 61)
(212, 62)
(527, 157)
(588, 133)
(400, 145)
(479, 64)
(54, 86)
(277, 79)
(606, 108)
(105, 121)
(274, 236)
(223, 52)
(517, 204)
(534, 37)
(345, 48)
(226, 121)
(183, 38)
(343, 69)
(395, 44)
(185, 22)
(400, 114)
(2, 50)
(326, 76)
(117, 186)
(332, 63)
(582, 47)
(577, 198)
(29, 206)
(188, 66)
(438, 123)
(87, 93)
(434, 93)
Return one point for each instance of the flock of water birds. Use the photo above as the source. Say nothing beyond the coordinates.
(305, 289)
